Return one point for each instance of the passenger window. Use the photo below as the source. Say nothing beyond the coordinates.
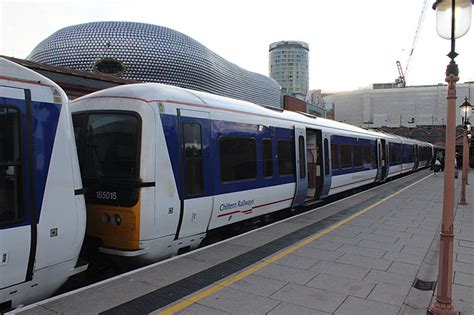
(395, 153)
(267, 157)
(10, 163)
(367, 155)
(334, 156)
(302, 154)
(193, 159)
(357, 154)
(238, 158)
(286, 157)
(346, 161)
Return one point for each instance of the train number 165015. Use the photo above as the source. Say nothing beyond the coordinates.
(107, 195)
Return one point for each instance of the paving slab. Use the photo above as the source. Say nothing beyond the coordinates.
(364, 261)
(318, 254)
(358, 306)
(285, 308)
(465, 279)
(287, 274)
(342, 285)
(198, 309)
(310, 297)
(361, 250)
(339, 269)
(389, 293)
(239, 302)
(259, 285)
(295, 261)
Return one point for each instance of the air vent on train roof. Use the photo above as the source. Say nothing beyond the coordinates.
(307, 114)
(278, 109)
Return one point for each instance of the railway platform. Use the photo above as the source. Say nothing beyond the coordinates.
(375, 252)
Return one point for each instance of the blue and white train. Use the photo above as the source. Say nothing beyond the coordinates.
(164, 165)
(42, 210)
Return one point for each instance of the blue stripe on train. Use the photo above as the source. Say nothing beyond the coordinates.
(228, 129)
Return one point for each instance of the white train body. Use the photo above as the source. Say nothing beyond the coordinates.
(164, 165)
(42, 210)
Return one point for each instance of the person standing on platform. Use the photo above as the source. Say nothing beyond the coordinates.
(436, 166)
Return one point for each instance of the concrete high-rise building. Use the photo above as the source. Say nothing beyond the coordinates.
(289, 67)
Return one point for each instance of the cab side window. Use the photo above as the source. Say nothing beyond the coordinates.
(10, 166)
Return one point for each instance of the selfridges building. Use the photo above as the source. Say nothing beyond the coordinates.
(151, 53)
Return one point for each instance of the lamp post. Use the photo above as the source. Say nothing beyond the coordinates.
(453, 18)
(466, 109)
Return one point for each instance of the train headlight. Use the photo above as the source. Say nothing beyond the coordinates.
(117, 219)
(106, 218)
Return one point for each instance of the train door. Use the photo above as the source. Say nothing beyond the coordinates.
(381, 159)
(195, 172)
(301, 166)
(315, 161)
(311, 154)
(415, 157)
(18, 225)
(326, 176)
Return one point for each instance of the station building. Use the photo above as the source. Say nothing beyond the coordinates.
(414, 111)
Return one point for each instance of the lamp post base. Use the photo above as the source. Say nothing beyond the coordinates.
(438, 308)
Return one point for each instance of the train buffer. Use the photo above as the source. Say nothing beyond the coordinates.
(374, 252)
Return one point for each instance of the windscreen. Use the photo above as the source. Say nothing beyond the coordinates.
(110, 146)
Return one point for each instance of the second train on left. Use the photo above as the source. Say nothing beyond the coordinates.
(164, 165)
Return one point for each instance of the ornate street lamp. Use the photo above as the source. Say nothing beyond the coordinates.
(466, 110)
(453, 19)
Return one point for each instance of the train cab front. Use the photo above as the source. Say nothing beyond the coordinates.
(109, 145)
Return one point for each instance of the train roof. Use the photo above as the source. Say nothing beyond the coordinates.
(150, 92)
(156, 92)
(10, 70)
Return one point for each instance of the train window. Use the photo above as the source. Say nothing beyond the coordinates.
(367, 155)
(326, 157)
(10, 165)
(77, 122)
(410, 149)
(346, 161)
(302, 153)
(267, 157)
(373, 160)
(357, 154)
(238, 158)
(193, 159)
(286, 161)
(111, 145)
(334, 156)
(395, 153)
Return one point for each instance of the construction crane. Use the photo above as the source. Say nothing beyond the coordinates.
(401, 81)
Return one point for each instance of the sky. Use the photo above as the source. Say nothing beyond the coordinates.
(353, 44)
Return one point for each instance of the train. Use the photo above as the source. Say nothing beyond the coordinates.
(42, 207)
(163, 165)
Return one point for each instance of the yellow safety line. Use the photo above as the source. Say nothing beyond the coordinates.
(247, 272)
